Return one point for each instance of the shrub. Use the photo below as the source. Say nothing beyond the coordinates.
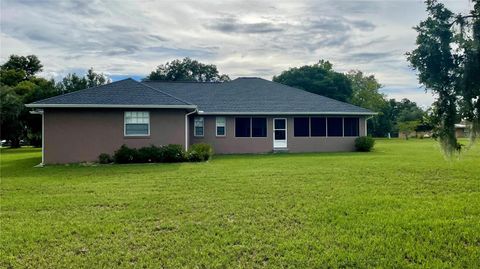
(173, 153)
(150, 154)
(199, 152)
(126, 155)
(364, 143)
(105, 158)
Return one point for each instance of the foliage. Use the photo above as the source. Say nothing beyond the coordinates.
(408, 127)
(34, 139)
(447, 60)
(11, 108)
(319, 78)
(28, 66)
(173, 153)
(151, 154)
(187, 70)
(74, 82)
(199, 152)
(105, 158)
(126, 155)
(364, 143)
(11, 77)
(400, 206)
(170, 153)
(365, 93)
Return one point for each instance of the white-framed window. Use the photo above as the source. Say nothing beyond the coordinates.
(220, 126)
(198, 126)
(137, 123)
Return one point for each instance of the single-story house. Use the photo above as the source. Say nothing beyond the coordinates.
(245, 115)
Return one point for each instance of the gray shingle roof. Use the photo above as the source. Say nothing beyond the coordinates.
(240, 96)
(127, 92)
(254, 95)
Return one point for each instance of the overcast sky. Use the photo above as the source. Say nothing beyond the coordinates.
(243, 38)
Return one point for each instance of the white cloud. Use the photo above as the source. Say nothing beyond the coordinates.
(242, 38)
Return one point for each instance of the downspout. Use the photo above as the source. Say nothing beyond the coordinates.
(186, 127)
(41, 112)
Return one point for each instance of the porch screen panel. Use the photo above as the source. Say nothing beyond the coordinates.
(351, 126)
(318, 126)
(242, 127)
(259, 127)
(301, 127)
(335, 126)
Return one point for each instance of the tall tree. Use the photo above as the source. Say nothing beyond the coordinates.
(187, 70)
(446, 59)
(319, 78)
(365, 93)
(469, 40)
(11, 108)
(30, 65)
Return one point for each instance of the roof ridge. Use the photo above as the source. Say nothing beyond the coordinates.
(158, 90)
(69, 93)
(183, 81)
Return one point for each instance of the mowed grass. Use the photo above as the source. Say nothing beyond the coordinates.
(402, 205)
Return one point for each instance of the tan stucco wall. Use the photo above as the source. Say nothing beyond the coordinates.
(78, 135)
(231, 144)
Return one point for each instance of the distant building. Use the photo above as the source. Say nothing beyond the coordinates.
(462, 129)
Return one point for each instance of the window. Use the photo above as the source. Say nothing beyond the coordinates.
(137, 123)
(318, 126)
(198, 126)
(220, 126)
(301, 127)
(242, 127)
(335, 126)
(350, 127)
(250, 127)
(259, 127)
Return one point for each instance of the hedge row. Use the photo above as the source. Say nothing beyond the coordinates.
(165, 154)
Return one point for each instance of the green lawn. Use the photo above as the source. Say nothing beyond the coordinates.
(400, 206)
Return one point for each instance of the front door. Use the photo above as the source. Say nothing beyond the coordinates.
(279, 133)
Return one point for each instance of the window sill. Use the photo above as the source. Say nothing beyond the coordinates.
(136, 137)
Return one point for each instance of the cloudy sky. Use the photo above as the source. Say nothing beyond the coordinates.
(243, 38)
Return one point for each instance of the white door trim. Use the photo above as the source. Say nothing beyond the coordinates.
(280, 143)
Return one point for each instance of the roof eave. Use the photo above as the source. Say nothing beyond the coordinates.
(106, 106)
(289, 113)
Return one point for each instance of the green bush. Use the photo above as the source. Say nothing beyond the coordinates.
(364, 143)
(105, 158)
(126, 155)
(169, 154)
(150, 154)
(173, 153)
(199, 152)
